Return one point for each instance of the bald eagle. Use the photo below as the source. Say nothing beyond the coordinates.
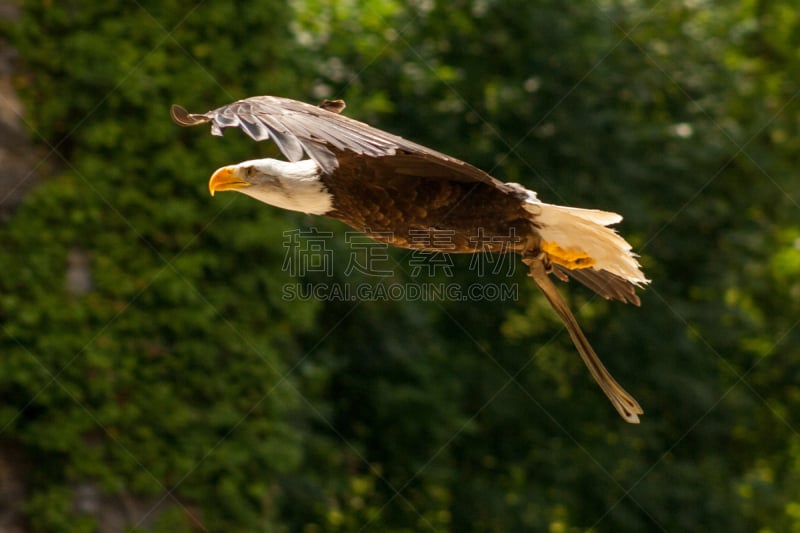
(389, 188)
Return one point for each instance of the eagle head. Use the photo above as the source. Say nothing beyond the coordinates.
(296, 186)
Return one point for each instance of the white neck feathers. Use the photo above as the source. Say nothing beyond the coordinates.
(295, 186)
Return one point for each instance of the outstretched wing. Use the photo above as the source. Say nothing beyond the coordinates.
(298, 128)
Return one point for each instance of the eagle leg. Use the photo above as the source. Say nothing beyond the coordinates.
(624, 403)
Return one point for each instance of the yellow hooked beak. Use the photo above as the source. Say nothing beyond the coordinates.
(226, 179)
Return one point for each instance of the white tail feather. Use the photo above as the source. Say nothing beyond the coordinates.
(584, 230)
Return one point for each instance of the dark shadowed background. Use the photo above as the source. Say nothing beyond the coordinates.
(154, 375)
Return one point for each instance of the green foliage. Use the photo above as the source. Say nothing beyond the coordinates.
(183, 376)
(162, 376)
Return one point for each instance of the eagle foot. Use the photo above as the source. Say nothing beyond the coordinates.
(529, 258)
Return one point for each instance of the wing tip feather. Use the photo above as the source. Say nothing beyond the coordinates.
(182, 117)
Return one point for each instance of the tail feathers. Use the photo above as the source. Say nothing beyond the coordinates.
(608, 285)
(604, 218)
(578, 238)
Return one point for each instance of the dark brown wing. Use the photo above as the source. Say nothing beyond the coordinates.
(298, 128)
